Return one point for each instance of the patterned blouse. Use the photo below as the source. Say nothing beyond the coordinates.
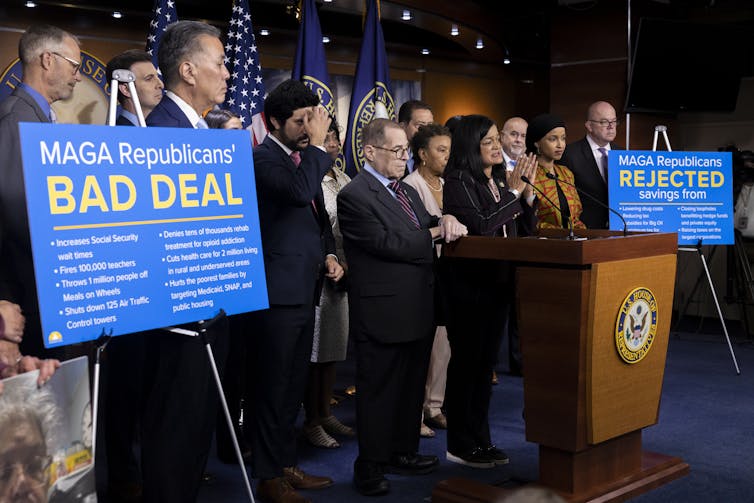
(548, 217)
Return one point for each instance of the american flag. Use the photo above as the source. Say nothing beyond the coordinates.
(246, 94)
(163, 14)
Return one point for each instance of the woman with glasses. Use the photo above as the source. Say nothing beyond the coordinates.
(490, 202)
(559, 204)
(431, 149)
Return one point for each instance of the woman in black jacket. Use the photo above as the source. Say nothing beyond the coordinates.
(490, 201)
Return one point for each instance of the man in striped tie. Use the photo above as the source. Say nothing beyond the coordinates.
(388, 238)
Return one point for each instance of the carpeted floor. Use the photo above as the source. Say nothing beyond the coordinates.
(706, 418)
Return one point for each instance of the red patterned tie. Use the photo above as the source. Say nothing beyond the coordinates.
(296, 158)
(402, 198)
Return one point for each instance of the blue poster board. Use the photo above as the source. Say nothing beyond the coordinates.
(140, 228)
(690, 193)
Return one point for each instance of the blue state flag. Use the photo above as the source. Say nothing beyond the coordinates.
(310, 66)
(372, 96)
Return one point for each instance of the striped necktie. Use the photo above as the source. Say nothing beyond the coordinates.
(402, 198)
(603, 162)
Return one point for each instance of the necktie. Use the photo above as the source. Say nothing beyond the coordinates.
(402, 198)
(201, 124)
(511, 164)
(296, 158)
(53, 116)
(603, 162)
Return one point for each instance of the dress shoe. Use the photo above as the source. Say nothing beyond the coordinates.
(438, 421)
(412, 464)
(298, 479)
(494, 378)
(425, 431)
(368, 478)
(278, 491)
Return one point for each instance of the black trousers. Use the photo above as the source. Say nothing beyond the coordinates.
(234, 385)
(389, 394)
(280, 346)
(179, 412)
(475, 329)
(123, 376)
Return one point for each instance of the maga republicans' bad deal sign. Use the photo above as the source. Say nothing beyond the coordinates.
(690, 193)
(139, 228)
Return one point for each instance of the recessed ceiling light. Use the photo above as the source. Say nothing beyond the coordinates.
(264, 32)
(31, 4)
(479, 43)
(506, 60)
(425, 51)
(406, 15)
(117, 14)
(327, 1)
(325, 40)
(454, 30)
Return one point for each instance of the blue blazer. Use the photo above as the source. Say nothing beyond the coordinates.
(295, 237)
(168, 114)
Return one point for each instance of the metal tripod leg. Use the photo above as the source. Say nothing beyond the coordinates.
(717, 304)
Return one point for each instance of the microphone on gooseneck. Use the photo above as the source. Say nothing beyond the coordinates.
(571, 237)
(553, 176)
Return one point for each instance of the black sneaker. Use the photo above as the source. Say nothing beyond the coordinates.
(497, 456)
(477, 458)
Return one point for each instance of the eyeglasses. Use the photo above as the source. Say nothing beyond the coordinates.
(35, 469)
(398, 152)
(606, 123)
(489, 142)
(75, 64)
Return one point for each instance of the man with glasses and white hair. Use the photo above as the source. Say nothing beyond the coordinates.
(587, 158)
(50, 59)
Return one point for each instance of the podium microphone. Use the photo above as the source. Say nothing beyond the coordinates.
(552, 176)
(571, 237)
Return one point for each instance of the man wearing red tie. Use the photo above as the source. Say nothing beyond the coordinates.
(298, 254)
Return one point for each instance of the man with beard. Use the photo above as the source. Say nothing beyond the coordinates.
(298, 253)
(587, 158)
(513, 141)
(50, 60)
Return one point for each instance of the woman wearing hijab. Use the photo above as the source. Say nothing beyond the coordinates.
(546, 137)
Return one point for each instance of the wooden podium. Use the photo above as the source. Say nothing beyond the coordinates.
(584, 405)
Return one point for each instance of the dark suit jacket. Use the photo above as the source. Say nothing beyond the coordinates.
(122, 121)
(168, 114)
(295, 238)
(390, 290)
(16, 268)
(579, 159)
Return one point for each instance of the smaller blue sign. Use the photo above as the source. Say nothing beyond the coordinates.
(690, 193)
(140, 228)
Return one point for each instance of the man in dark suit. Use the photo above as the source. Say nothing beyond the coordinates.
(411, 116)
(587, 158)
(122, 373)
(50, 59)
(387, 237)
(298, 251)
(148, 85)
(180, 397)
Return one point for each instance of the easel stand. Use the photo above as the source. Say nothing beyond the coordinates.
(101, 345)
(203, 327)
(698, 249)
